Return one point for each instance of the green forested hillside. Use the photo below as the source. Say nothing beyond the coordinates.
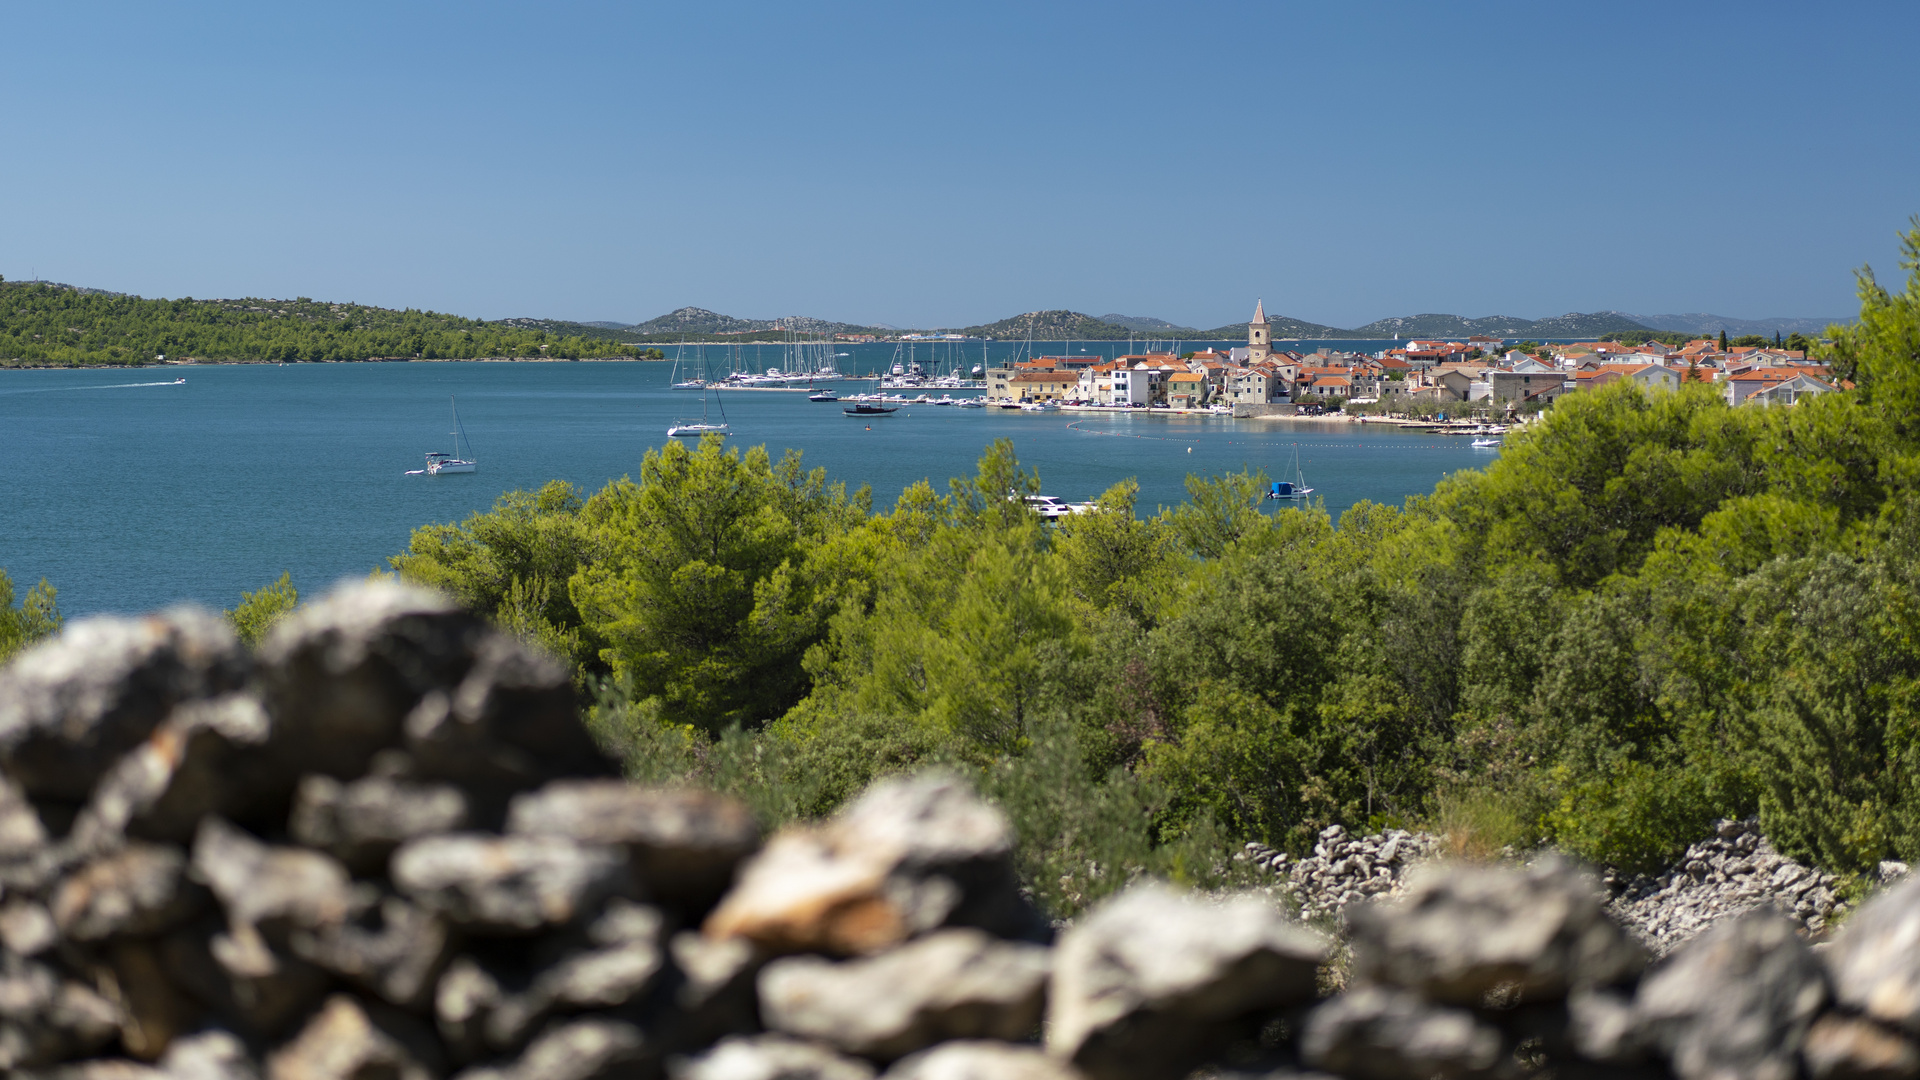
(1651, 611)
(42, 324)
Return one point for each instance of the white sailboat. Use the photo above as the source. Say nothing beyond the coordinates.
(1295, 489)
(703, 426)
(440, 462)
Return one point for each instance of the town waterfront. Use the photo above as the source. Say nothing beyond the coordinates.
(129, 492)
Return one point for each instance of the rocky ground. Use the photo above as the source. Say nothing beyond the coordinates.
(383, 848)
(1735, 870)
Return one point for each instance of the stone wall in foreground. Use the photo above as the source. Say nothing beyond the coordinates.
(384, 848)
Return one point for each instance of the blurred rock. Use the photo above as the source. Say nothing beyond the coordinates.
(1875, 958)
(70, 707)
(510, 884)
(1381, 1034)
(511, 724)
(275, 889)
(45, 1019)
(340, 675)
(209, 1055)
(391, 948)
(981, 1060)
(769, 1057)
(578, 1050)
(205, 759)
(909, 856)
(685, 843)
(1463, 931)
(952, 984)
(1841, 1047)
(1735, 1001)
(362, 822)
(1143, 984)
(27, 928)
(346, 1041)
(138, 891)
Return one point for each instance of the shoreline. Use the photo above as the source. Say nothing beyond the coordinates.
(368, 360)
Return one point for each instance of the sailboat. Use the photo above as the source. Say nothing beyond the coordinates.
(703, 426)
(1297, 489)
(688, 384)
(439, 462)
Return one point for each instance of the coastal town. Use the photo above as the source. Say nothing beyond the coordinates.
(1479, 374)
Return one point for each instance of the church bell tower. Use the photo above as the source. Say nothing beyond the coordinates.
(1258, 346)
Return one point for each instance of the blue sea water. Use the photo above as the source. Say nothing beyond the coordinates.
(129, 493)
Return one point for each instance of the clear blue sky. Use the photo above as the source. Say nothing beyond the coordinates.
(942, 164)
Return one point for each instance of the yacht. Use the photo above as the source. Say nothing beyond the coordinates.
(442, 461)
(868, 408)
(824, 395)
(1297, 488)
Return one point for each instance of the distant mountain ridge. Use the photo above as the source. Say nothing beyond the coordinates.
(1709, 325)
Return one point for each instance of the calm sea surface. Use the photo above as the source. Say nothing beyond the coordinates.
(129, 493)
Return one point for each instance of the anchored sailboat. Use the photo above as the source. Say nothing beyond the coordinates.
(439, 461)
(703, 426)
(1297, 488)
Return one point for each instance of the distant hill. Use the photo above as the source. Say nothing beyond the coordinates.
(697, 322)
(1710, 325)
(1574, 324)
(1148, 325)
(58, 324)
(1278, 328)
(1056, 325)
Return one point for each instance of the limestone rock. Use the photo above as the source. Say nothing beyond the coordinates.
(1139, 983)
(272, 888)
(340, 675)
(509, 725)
(1381, 1034)
(981, 1060)
(685, 843)
(205, 759)
(27, 928)
(769, 1057)
(70, 707)
(1842, 1047)
(1735, 1001)
(510, 884)
(138, 891)
(209, 1055)
(951, 984)
(391, 948)
(1461, 931)
(45, 1018)
(362, 822)
(1875, 958)
(1734, 870)
(909, 856)
(579, 1050)
(345, 1041)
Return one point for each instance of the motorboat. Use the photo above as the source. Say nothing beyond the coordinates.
(971, 403)
(1487, 440)
(440, 462)
(824, 395)
(1053, 509)
(868, 408)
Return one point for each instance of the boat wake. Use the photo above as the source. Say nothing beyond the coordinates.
(108, 386)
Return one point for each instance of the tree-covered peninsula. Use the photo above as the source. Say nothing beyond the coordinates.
(43, 324)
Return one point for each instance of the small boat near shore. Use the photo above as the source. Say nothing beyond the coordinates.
(1296, 488)
(868, 408)
(824, 395)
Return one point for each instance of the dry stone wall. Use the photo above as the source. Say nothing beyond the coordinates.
(384, 848)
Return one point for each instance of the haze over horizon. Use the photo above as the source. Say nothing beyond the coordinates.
(947, 167)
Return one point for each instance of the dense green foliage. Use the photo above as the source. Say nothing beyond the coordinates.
(35, 617)
(259, 611)
(50, 324)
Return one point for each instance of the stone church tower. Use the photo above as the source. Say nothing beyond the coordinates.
(1258, 346)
